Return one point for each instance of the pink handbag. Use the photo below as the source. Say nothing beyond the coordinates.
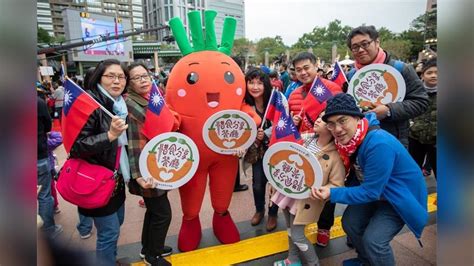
(87, 185)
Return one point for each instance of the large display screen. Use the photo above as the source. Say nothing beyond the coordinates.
(79, 27)
(93, 28)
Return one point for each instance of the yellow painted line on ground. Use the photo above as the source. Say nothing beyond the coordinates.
(256, 247)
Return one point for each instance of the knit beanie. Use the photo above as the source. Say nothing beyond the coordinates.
(342, 104)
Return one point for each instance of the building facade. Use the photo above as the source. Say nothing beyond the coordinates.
(43, 15)
(229, 8)
(128, 9)
(159, 12)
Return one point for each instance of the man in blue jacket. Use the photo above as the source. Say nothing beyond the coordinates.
(392, 190)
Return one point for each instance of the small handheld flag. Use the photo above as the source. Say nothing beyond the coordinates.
(158, 117)
(283, 128)
(78, 106)
(338, 75)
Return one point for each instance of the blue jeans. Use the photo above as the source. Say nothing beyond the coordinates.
(45, 200)
(85, 224)
(371, 227)
(108, 232)
(259, 186)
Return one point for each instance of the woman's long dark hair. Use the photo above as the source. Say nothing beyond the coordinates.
(254, 73)
(99, 71)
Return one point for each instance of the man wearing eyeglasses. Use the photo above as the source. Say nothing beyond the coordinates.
(364, 43)
(392, 190)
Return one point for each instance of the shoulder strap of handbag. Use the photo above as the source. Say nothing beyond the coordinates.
(117, 158)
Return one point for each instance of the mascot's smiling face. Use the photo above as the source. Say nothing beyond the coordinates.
(203, 83)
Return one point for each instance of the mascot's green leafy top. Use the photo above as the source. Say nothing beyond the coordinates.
(199, 42)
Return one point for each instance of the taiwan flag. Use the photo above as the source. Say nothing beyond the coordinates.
(315, 102)
(283, 128)
(338, 75)
(78, 106)
(158, 118)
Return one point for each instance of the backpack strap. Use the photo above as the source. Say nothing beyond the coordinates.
(350, 74)
(398, 65)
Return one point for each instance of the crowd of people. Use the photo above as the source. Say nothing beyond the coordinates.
(372, 160)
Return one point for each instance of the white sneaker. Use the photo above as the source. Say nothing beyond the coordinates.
(86, 236)
(58, 229)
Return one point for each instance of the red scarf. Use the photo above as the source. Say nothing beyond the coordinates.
(345, 151)
(379, 59)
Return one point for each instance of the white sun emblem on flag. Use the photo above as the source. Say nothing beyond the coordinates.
(320, 90)
(156, 99)
(281, 124)
(67, 97)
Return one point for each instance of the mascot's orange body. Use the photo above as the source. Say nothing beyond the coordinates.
(201, 84)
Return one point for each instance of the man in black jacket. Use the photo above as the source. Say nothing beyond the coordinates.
(364, 43)
(45, 200)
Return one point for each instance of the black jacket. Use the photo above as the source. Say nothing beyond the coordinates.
(44, 126)
(93, 146)
(414, 104)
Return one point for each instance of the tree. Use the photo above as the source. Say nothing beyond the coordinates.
(43, 36)
(416, 39)
(426, 24)
(274, 46)
(241, 46)
(321, 40)
(400, 49)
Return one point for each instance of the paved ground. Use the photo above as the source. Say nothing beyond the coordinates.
(406, 248)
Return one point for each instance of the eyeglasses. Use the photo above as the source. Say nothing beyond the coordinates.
(112, 77)
(140, 78)
(355, 48)
(342, 122)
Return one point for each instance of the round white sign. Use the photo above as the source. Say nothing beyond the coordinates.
(377, 84)
(292, 170)
(228, 131)
(170, 159)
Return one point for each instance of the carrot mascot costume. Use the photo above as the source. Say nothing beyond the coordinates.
(205, 81)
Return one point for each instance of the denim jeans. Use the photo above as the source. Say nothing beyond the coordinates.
(371, 227)
(259, 186)
(45, 200)
(85, 224)
(108, 232)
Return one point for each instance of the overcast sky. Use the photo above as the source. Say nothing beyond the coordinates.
(292, 18)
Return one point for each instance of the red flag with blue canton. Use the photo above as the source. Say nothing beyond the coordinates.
(158, 117)
(338, 75)
(77, 107)
(315, 102)
(283, 128)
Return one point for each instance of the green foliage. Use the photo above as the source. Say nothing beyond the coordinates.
(43, 36)
(426, 24)
(416, 39)
(274, 46)
(241, 46)
(399, 48)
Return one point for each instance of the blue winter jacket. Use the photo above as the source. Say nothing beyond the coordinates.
(389, 172)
